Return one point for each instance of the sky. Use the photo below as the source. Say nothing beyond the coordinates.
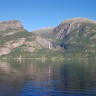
(36, 14)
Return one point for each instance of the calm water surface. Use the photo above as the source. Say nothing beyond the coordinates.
(48, 78)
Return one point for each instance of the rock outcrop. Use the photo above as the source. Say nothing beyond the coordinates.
(75, 36)
(15, 39)
(12, 24)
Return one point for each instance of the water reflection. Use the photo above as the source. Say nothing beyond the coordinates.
(37, 78)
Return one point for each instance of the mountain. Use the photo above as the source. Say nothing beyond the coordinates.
(15, 41)
(74, 37)
(44, 32)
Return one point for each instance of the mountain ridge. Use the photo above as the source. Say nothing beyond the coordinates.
(10, 24)
(72, 37)
(79, 19)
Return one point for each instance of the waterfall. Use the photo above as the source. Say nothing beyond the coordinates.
(49, 45)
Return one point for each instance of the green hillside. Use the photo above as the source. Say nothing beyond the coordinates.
(72, 38)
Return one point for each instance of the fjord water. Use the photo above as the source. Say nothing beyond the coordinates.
(48, 78)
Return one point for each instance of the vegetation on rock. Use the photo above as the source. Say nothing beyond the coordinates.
(72, 38)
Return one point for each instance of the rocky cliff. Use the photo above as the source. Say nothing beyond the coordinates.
(76, 36)
(12, 24)
(15, 40)
(73, 37)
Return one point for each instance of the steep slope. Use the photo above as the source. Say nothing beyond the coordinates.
(76, 36)
(16, 41)
(45, 32)
(72, 38)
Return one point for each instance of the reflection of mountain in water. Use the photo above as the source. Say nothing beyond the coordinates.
(16, 76)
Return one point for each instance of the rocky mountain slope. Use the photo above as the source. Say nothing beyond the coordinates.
(77, 35)
(44, 32)
(16, 41)
(73, 37)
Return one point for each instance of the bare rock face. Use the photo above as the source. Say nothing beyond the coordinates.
(14, 24)
(30, 46)
(78, 20)
(4, 51)
(71, 25)
(77, 34)
(42, 41)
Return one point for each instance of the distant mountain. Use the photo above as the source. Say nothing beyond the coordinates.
(44, 32)
(72, 38)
